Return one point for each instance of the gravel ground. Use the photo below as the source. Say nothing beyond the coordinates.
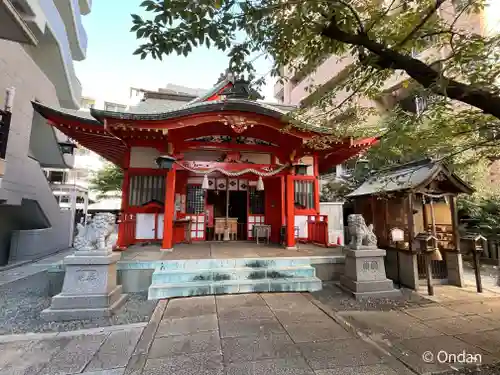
(20, 310)
(339, 300)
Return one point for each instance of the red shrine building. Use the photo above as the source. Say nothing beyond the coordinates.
(216, 168)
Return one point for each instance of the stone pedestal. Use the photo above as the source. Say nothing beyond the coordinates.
(455, 268)
(89, 290)
(365, 274)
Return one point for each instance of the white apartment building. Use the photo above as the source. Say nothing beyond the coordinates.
(39, 40)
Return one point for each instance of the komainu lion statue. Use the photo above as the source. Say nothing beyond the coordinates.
(361, 234)
(97, 235)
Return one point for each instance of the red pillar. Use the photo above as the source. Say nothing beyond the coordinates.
(121, 242)
(290, 212)
(168, 219)
(316, 185)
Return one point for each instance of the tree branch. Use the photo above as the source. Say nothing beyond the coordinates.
(424, 20)
(419, 71)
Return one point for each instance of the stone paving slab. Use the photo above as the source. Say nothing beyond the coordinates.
(486, 340)
(281, 366)
(431, 312)
(243, 349)
(339, 353)
(32, 357)
(299, 315)
(365, 370)
(186, 326)
(115, 351)
(316, 331)
(445, 345)
(115, 371)
(239, 300)
(75, 356)
(285, 301)
(208, 363)
(188, 307)
(462, 324)
(390, 324)
(185, 344)
(478, 307)
(250, 327)
(256, 312)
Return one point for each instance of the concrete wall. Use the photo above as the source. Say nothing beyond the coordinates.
(24, 179)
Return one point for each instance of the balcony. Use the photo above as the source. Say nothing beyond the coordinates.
(85, 6)
(54, 56)
(70, 14)
(12, 25)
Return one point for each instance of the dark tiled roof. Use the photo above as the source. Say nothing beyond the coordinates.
(409, 176)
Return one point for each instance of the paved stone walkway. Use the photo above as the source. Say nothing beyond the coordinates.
(235, 334)
(460, 321)
(254, 334)
(258, 334)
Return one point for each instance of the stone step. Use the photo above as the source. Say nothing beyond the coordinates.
(198, 288)
(204, 264)
(167, 276)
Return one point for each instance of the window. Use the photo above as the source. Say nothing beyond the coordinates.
(114, 107)
(304, 194)
(195, 200)
(144, 189)
(56, 177)
(256, 198)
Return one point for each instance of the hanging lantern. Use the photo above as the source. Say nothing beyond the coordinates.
(205, 184)
(260, 184)
(436, 255)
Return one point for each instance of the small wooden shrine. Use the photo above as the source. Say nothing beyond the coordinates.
(408, 203)
(222, 155)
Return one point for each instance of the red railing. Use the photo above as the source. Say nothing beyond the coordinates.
(126, 230)
(317, 229)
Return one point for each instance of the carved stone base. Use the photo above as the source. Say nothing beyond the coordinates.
(365, 275)
(89, 289)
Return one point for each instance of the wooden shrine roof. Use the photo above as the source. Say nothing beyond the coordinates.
(107, 132)
(411, 176)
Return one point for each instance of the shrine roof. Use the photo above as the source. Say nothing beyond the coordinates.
(72, 114)
(411, 176)
(166, 113)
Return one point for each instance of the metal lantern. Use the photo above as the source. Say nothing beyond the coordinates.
(67, 147)
(301, 169)
(165, 162)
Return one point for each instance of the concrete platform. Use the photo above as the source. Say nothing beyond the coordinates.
(138, 263)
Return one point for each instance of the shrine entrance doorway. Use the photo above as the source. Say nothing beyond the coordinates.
(238, 209)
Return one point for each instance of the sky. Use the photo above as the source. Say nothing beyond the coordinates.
(110, 68)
